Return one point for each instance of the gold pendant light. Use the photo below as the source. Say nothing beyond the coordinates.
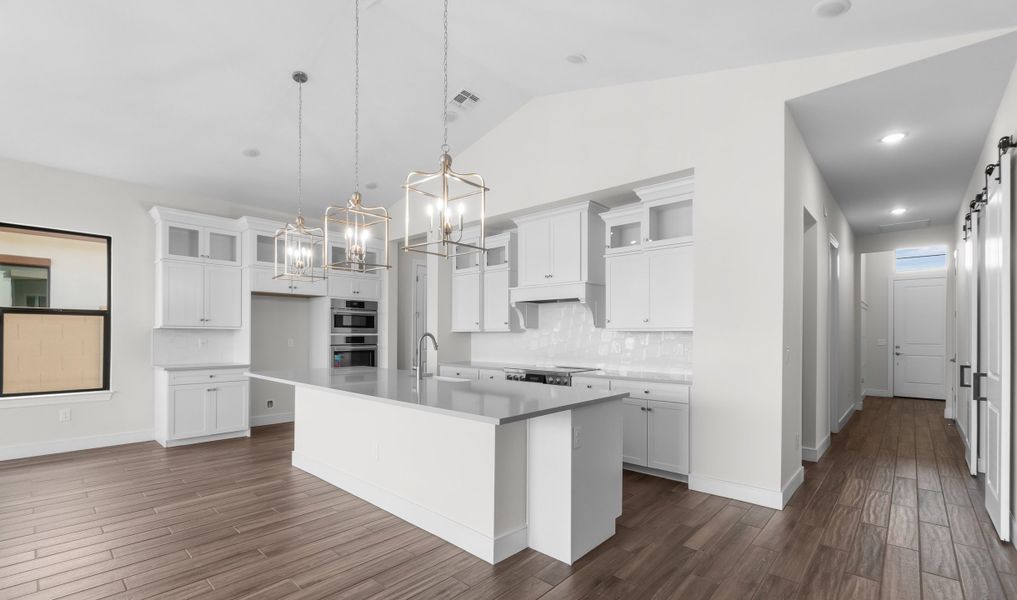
(445, 199)
(355, 224)
(298, 248)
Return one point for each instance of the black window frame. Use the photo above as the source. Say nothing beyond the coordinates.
(107, 314)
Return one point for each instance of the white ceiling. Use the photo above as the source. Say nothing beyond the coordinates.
(169, 93)
(946, 104)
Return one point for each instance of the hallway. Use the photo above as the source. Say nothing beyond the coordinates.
(889, 512)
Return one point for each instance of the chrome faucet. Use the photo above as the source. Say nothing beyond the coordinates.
(420, 354)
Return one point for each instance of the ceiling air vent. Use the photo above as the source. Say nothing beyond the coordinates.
(888, 227)
(464, 100)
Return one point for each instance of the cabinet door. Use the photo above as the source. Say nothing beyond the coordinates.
(183, 301)
(367, 287)
(668, 436)
(670, 279)
(189, 411)
(262, 248)
(490, 375)
(341, 286)
(182, 242)
(634, 431)
(318, 287)
(496, 300)
(626, 291)
(222, 246)
(466, 302)
(223, 292)
(534, 252)
(566, 247)
(264, 281)
(230, 400)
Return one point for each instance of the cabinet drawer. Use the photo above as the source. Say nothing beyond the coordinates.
(206, 376)
(667, 392)
(591, 383)
(490, 374)
(464, 372)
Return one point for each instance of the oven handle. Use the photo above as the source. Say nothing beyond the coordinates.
(354, 347)
(354, 312)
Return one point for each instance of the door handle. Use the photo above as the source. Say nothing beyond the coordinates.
(960, 376)
(896, 353)
(976, 384)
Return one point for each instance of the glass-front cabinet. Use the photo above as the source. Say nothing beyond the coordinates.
(184, 241)
(662, 217)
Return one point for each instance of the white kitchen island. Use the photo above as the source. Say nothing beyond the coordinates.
(491, 466)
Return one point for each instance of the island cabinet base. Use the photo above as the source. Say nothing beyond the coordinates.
(552, 482)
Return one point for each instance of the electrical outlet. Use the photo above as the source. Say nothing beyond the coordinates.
(270, 403)
(65, 415)
(576, 437)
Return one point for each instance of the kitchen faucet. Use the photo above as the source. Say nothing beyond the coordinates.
(420, 353)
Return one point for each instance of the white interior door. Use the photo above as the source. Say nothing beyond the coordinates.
(993, 383)
(919, 338)
(969, 362)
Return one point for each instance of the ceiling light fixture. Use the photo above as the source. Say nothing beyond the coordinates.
(444, 192)
(893, 138)
(898, 211)
(371, 185)
(300, 245)
(829, 9)
(251, 152)
(576, 58)
(357, 224)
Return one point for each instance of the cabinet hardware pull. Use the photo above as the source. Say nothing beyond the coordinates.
(642, 408)
(646, 391)
(211, 376)
(646, 320)
(649, 409)
(212, 390)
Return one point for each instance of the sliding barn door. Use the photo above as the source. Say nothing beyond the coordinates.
(995, 365)
(973, 265)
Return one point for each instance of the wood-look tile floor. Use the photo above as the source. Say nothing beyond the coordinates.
(888, 513)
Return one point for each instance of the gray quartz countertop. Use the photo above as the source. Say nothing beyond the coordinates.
(200, 366)
(497, 402)
(626, 374)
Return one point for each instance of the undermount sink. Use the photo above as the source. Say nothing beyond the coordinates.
(450, 379)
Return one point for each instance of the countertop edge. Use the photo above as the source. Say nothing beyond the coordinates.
(201, 367)
(451, 413)
(597, 373)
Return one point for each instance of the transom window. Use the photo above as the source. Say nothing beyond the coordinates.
(923, 258)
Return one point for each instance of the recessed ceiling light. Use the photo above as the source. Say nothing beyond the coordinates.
(371, 186)
(898, 211)
(894, 138)
(251, 152)
(576, 58)
(829, 9)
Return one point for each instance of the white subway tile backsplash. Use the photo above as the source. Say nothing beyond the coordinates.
(567, 337)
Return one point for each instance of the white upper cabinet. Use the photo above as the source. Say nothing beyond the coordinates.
(196, 295)
(496, 308)
(648, 255)
(466, 301)
(480, 287)
(198, 238)
(554, 246)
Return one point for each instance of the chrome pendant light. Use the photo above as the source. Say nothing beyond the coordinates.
(445, 199)
(355, 225)
(298, 248)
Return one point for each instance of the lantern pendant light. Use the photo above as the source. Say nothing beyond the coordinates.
(355, 224)
(298, 248)
(444, 199)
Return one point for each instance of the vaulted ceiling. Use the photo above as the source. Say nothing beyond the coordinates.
(171, 93)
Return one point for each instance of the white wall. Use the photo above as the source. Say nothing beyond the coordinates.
(77, 267)
(567, 336)
(807, 190)
(730, 127)
(877, 270)
(406, 274)
(47, 197)
(280, 339)
(1004, 124)
(911, 238)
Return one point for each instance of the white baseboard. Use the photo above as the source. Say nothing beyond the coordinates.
(814, 454)
(791, 486)
(746, 493)
(72, 444)
(878, 393)
(205, 438)
(488, 549)
(271, 419)
(846, 417)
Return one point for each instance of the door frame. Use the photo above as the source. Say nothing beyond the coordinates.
(419, 268)
(891, 309)
(833, 334)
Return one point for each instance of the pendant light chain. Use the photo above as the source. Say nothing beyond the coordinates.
(444, 67)
(356, 96)
(300, 149)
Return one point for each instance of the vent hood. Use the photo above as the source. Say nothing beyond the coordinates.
(525, 300)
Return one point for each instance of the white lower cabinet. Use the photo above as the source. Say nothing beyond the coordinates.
(462, 372)
(667, 436)
(491, 375)
(188, 411)
(634, 431)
